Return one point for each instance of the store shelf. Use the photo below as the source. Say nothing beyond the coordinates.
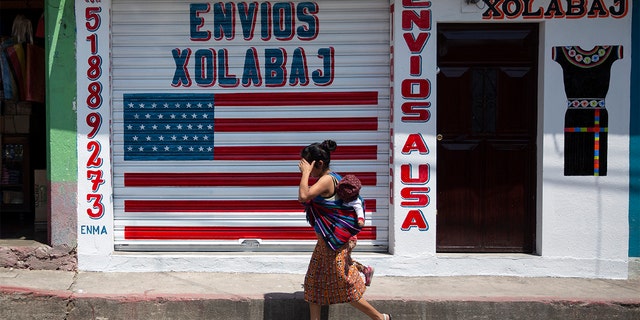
(15, 174)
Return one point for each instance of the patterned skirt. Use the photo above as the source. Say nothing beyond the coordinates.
(331, 277)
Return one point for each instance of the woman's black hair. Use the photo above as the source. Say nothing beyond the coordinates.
(319, 152)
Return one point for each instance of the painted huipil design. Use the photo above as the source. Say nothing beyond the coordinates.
(586, 82)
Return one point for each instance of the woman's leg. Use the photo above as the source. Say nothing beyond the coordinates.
(368, 309)
(314, 311)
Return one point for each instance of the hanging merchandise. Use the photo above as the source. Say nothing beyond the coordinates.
(13, 58)
(40, 27)
(22, 29)
(22, 64)
(34, 82)
(17, 63)
(8, 80)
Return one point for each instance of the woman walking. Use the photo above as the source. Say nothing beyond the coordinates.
(330, 278)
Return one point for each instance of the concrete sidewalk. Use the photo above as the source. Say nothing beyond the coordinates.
(33, 294)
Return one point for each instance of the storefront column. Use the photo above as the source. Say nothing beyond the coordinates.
(61, 121)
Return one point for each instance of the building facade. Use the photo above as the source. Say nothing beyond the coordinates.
(491, 137)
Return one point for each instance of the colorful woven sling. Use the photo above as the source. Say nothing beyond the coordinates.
(335, 222)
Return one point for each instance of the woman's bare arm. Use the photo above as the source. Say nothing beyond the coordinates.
(324, 185)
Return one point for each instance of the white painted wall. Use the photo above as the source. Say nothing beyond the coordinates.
(586, 217)
(583, 221)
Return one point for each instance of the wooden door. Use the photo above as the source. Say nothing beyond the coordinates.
(486, 150)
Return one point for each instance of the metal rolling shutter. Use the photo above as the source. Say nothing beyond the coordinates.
(240, 192)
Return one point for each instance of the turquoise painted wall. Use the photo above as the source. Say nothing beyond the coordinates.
(634, 155)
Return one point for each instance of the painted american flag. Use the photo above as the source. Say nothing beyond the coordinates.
(168, 126)
(182, 127)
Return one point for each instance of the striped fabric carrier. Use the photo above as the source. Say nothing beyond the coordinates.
(335, 222)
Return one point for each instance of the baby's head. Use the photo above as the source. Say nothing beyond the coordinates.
(349, 188)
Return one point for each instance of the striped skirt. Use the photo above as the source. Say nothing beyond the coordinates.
(331, 278)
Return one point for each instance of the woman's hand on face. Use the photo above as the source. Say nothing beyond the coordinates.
(305, 166)
(304, 190)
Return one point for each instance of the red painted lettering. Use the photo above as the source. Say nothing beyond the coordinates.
(423, 174)
(416, 111)
(421, 20)
(415, 142)
(415, 218)
(414, 44)
(415, 196)
(416, 4)
(416, 88)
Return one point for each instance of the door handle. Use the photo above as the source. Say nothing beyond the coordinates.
(439, 137)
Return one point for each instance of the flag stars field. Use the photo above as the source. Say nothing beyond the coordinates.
(168, 121)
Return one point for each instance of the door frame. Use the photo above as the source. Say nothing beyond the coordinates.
(537, 137)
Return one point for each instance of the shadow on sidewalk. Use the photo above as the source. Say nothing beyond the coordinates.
(285, 305)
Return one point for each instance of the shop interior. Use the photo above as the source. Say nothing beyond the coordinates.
(23, 164)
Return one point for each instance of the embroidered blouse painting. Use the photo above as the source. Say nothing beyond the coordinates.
(586, 76)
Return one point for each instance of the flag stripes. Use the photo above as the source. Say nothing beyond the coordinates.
(264, 99)
(224, 179)
(296, 124)
(221, 206)
(273, 153)
(191, 132)
(230, 233)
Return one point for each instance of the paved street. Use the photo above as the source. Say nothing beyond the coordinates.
(68, 295)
